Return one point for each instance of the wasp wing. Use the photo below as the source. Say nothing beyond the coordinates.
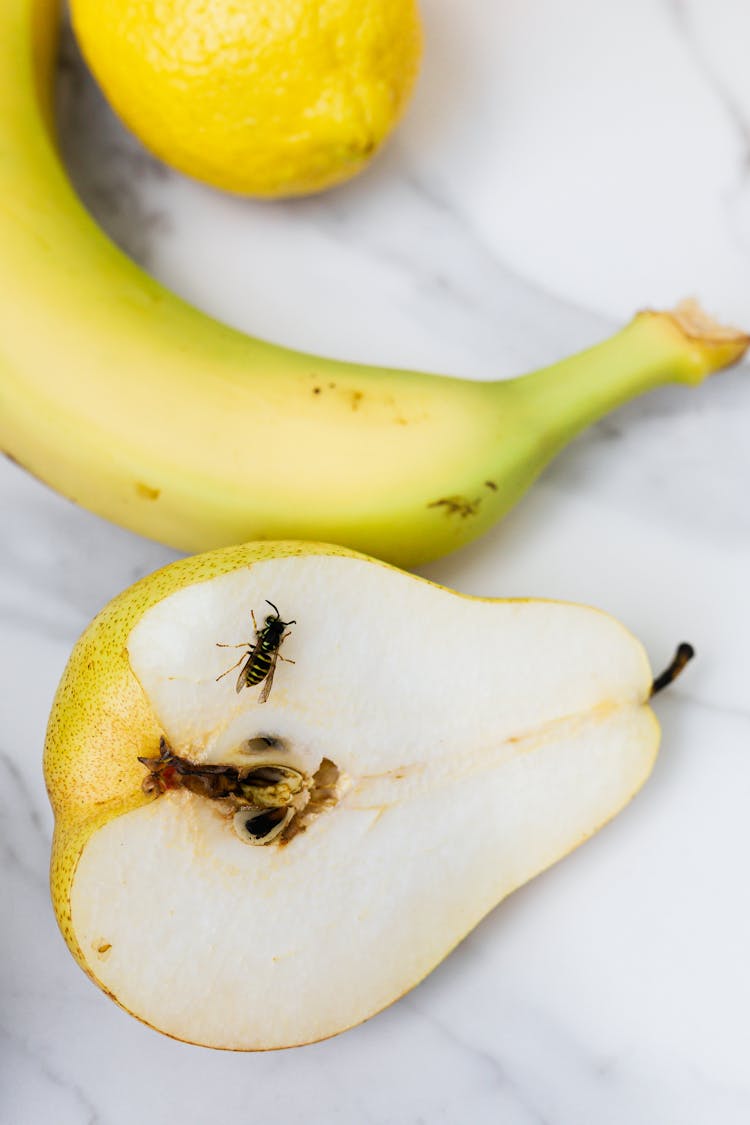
(267, 683)
(241, 679)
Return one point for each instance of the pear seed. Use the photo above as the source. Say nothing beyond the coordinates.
(261, 826)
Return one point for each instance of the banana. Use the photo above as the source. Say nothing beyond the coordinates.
(144, 410)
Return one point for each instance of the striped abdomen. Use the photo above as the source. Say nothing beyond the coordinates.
(259, 664)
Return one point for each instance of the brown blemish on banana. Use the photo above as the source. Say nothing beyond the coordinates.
(146, 492)
(385, 408)
(352, 397)
(457, 506)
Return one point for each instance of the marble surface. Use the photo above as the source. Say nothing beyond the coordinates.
(561, 166)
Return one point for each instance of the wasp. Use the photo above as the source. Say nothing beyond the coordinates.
(259, 662)
(169, 771)
(261, 787)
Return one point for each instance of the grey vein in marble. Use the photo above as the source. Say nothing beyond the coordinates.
(735, 110)
(615, 986)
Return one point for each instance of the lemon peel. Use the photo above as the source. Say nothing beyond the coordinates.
(272, 98)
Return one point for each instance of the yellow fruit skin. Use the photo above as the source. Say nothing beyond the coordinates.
(269, 98)
(101, 720)
(149, 413)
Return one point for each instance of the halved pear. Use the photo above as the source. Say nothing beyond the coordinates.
(275, 872)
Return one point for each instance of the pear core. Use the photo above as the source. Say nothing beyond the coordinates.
(451, 748)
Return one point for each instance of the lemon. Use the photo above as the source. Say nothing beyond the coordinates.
(260, 97)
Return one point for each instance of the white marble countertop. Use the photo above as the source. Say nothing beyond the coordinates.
(562, 165)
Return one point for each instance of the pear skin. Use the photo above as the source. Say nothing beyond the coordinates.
(418, 756)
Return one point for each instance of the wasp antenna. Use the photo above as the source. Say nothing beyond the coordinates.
(273, 607)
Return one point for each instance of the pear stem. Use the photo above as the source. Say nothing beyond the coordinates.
(685, 653)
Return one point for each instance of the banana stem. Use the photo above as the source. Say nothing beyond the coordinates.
(683, 345)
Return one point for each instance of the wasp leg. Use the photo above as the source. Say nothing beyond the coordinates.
(245, 644)
(286, 659)
(223, 674)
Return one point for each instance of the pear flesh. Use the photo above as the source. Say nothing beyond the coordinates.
(452, 749)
